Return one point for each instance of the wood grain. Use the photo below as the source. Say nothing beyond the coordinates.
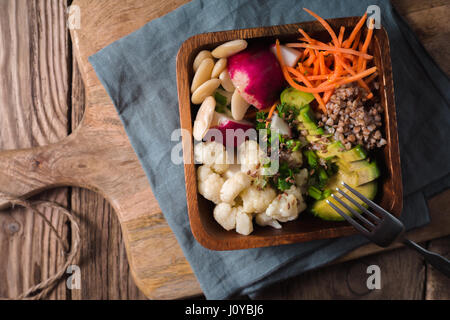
(86, 205)
(33, 111)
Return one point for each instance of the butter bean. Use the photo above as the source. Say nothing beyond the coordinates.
(205, 90)
(220, 65)
(203, 73)
(226, 82)
(229, 48)
(239, 106)
(204, 117)
(202, 55)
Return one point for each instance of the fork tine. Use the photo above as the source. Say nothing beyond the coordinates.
(370, 214)
(349, 219)
(354, 212)
(370, 203)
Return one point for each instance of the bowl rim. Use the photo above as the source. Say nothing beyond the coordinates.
(202, 235)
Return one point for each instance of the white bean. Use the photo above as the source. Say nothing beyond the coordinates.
(220, 65)
(204, 117)
(202, 55)
(239, 106)
(229, 48)
(205, 90)
(203, 73)
(226, 82)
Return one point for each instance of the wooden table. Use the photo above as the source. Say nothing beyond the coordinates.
(42, 101)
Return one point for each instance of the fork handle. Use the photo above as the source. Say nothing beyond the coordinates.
(437, 261)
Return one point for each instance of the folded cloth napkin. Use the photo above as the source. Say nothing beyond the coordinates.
(139, 74)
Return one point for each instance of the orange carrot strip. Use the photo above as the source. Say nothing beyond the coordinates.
(325, 25)
(366, 43)
(347, 43)
(327, 96)
(371, 78)
(341, 35)
(360, 81)
(272, 110)
(337, 83)
(330, 48)
(323, 68)
(301, 88)
(356, 42)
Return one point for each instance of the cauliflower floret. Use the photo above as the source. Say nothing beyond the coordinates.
(233, 186)
(225, 215)
(251, 157)
(301, 179)
(295, 158)
(212, 154)
(244, 224)
(257, 201)
(283, 208)
(209, 183)
(263, 220)
(296, 192)
(232, 170)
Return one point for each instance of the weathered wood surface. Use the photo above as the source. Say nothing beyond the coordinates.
(34, 87)
(105, 272)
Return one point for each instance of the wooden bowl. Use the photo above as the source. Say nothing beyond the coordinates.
(307, 227)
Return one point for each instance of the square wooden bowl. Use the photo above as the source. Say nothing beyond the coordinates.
(307, 227)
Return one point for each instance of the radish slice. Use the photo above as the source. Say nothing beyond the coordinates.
(204, 118)
(279, 124)
(222, 122)
(290, 55)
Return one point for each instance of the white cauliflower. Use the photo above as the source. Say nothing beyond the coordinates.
(225, 215)
(257, 201)
(297, 193)
(301, 179)
(232, 170)
(244, 224)
(209, 183)
(263, 220)
(283, 208)
(251, 157)
(233, 186)
(212, 154)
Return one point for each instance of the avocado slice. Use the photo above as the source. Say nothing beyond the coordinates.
(354, 154)
(295, 97)
(364, 170)
(323, 210)
(333, 150)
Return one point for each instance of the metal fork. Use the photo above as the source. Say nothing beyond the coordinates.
(382, 228)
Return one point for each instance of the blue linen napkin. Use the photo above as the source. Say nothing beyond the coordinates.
(139, 74)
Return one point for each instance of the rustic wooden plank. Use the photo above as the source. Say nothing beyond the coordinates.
(438, 285)
(401, 275)
(33, 109)
(105, 273)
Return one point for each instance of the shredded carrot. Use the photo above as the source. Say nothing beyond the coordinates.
(341, 35)
(325, 25)
(324, 66)
(271, 111)
(366, 43)
(330, 48)
(348, 42)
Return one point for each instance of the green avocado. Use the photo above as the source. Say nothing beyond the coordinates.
(295, 97)
(323, 210)
(354, 154)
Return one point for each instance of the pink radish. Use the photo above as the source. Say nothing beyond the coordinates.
(290, 55)
(222, 123)
(256, 73)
